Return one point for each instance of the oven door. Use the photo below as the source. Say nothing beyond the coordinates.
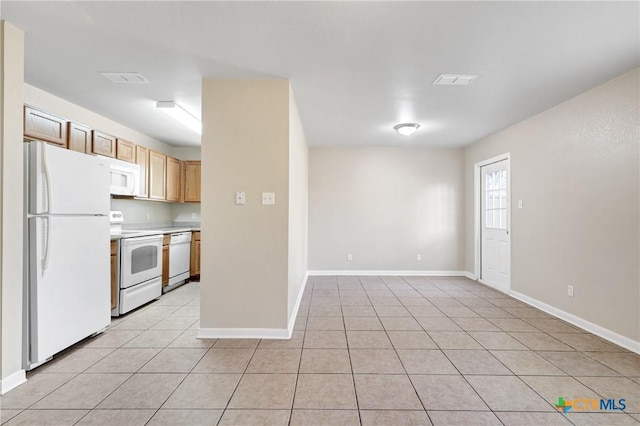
(141, 260)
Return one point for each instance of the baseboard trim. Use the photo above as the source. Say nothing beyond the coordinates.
(12, 381)
(605, 333)
(294, 314)
(256, 333)
(389, 273)
(469, 275)
(243, 333)
(504, 290)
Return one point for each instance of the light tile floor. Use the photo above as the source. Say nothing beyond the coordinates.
(365, 350)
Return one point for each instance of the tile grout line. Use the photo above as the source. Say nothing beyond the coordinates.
(353, 377)
(295, 387)
(395, 351)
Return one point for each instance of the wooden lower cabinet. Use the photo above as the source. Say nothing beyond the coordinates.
(165, 260)
(195, 254)
(114, 274)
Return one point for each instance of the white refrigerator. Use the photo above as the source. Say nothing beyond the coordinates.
(67, 272)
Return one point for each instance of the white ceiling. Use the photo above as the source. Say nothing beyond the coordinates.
(356, 68)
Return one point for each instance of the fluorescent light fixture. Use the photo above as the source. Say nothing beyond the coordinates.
(125, 77)
(178, 113)
(455, 79)
(406, 129)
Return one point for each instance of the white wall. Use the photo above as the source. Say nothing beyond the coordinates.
(245, 142)
(576, 168)
(11, 205)
(298, 206)
(385, 206)
(186, 153)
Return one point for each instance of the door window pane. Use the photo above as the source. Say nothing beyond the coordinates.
(496, 199)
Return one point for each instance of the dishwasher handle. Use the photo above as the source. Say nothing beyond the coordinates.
(182, 237)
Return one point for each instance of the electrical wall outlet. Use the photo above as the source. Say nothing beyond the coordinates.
(570, 291)
(349, 256)
(194, 216)
(148, 216)
(240, 198)
(419, 257)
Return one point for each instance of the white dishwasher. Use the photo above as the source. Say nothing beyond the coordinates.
(179, 259)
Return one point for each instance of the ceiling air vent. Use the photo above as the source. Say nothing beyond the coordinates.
(125, 77)
(455, 79)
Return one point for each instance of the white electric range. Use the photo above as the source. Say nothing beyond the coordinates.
(140, 265)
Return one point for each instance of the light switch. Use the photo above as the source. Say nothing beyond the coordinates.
(240, 198)
(519, 204)
(268, 198)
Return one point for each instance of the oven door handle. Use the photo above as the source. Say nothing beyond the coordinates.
(137, 240)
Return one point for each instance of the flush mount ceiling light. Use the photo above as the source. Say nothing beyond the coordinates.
(406, 129)
(179, 114)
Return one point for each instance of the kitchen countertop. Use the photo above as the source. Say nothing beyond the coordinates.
(155, 231)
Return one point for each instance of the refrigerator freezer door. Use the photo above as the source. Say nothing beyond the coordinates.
(69, 281)
(66, 182)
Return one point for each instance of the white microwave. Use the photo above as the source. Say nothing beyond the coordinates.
(124, 178)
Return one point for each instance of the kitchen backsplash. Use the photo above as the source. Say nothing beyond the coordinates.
(152, 214)
(186, 213)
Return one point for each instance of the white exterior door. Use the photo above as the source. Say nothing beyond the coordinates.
(494, 226)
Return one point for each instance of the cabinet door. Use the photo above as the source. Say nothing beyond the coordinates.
(194, 266)
(173, 179)
(104, 144)
(157, 175)
(126, 151)
(44, 127)
(79, 138)
(192, 181)
(165, 266)
(114, 274)
(142, 159)
(197, 258)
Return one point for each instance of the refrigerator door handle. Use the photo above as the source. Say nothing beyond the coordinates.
(47, 238)
(47, 178)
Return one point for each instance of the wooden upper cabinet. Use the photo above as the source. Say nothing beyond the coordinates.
(79, 138)
(142, 159)
(173, 179)
(125, 151)
(104, 144)
(192, 181)
(157, 174)
(45, 127)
